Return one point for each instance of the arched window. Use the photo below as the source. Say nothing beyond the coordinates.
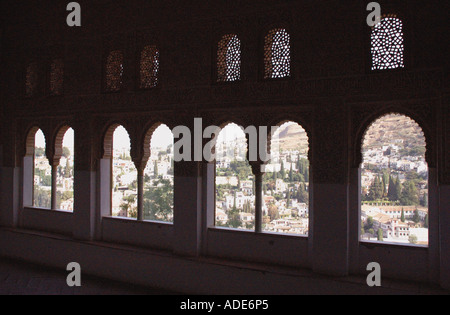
(42, 180)
(65, 173)
(394, 182)
(229, 59)
(114, 71)
(387, 44)
(149, 67)
(31, 79)
(159, 177)
(56, 77)
(285, 204)
(235, 183)
(124, 176)
(277, 54)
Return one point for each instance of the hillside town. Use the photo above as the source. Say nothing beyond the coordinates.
(285, 185)
(124, 200)
(394, 184)
(158, 184)
(43, 181)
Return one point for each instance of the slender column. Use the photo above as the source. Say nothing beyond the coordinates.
(54, 181)
(140, 195)
(258, 203)
(140, 164)
(256, 169)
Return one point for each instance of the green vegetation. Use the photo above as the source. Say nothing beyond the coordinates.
(394, 193)
(158, 201)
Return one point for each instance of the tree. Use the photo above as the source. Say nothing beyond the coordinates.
(66, 195)
(66, 152)
(416, 217)
(369, 223)
(410, 194)
(302, 194)
(67, 170)
(412, 239)
(282, 171)
(303, 169)
(234, 220)
(385, 182)
(393, 194)
(41, 198)
(241, 169)
(424, 201)
(376, 189)
(155, 169)
(38, 152)
(158, 201)
(127, 206)
(46, 180)
(288, 197)
(403, 216)
(247, 208)
(380, 235)
(398, 188)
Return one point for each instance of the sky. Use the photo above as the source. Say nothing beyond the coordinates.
(67, 141)
(160, 138)
(121, 138)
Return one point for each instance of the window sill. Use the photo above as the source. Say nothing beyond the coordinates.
(262, 234)
(130, 231)
(373, 244)
(47, 210)
(56, 221)
(133, 220)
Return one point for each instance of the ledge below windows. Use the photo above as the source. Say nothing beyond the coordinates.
(57, 221)
(152, 234)
(262, 247)
(189, 275)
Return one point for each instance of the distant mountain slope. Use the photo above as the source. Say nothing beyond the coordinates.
(292, 137)
(394, 129)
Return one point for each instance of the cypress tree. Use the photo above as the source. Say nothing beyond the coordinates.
(376, 189)
(288, 197)
(155, 169)
(380, 235)
(392, 189)
(416, 217)
(410, 195)
(398, 188)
